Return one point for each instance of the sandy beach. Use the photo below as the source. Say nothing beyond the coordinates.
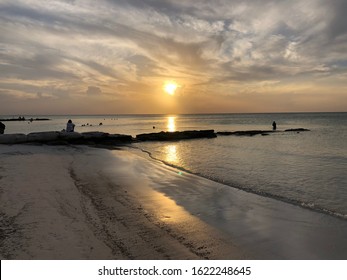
(78, 202)
(83, 203)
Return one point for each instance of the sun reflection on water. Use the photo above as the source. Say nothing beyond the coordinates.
(171, 154)
(171, 124)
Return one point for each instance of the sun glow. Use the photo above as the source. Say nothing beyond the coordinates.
(170, 87)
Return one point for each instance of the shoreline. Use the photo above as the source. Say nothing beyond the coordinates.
(249, 218)
(82, 203)
(108, 199)
(293, 202)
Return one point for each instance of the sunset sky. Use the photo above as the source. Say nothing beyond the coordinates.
(118, 56)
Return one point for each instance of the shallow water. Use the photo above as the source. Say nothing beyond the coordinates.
(307, 168)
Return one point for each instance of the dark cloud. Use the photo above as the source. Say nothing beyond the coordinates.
(338, 23)
(92, 90)
(15, 11)
(39, 67)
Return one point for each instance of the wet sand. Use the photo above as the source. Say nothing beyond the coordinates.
(66, 202)
(83, 203)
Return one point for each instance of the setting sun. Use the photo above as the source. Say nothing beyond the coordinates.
(170, 87)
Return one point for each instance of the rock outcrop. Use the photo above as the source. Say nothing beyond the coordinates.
(17, 138)
(103, 138)
(258, 132)
(43, 136)
(24, 119)
(246, 132)
(297, 129)
(177, 135)
(63, 138)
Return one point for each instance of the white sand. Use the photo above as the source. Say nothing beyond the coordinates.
(64, 202)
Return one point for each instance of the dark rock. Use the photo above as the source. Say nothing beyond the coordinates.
(116, 138)
(106, 138)
(246, 132)
(64, 138)
(43, 136)
(94, 135)
(42, 119)
(256, 132)
(103, 138)
(70, 136)
(177, 135)
(24, 119)
(225, 133)
(13, 138)
(297, 129)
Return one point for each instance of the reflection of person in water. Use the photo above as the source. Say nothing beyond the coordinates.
(274, 125)
(2, 128)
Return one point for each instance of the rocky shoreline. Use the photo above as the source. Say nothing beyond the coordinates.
(103, 138)
(24, 119)
(64, 138)
(259, 132)
(177, 135)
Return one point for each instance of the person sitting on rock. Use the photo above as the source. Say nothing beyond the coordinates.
(2, 128)
(70, 126)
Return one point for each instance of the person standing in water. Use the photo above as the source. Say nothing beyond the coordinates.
(274, 125)
(70, 126)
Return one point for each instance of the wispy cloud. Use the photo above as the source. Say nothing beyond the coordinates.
(221, 52)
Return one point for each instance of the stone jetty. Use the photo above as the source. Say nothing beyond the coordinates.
(103, 138)
(246, 132)
(177, 135)
(63, 138)
(258, 132)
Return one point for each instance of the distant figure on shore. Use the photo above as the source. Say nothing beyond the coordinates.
(70, 126)
(2, 128)
(274, 125)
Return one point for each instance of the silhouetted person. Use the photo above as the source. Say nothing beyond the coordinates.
(2, 128)
(70, 126)
(274, 125)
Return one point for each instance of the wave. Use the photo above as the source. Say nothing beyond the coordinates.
(303, 204)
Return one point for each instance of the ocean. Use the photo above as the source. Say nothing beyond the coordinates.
(306, 168)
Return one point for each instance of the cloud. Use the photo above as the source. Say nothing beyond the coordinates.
(129, 48)
(93, 90)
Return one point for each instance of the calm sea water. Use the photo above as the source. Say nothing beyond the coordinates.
(308, 168)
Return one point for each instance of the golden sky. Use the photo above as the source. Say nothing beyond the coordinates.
(117, 56)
